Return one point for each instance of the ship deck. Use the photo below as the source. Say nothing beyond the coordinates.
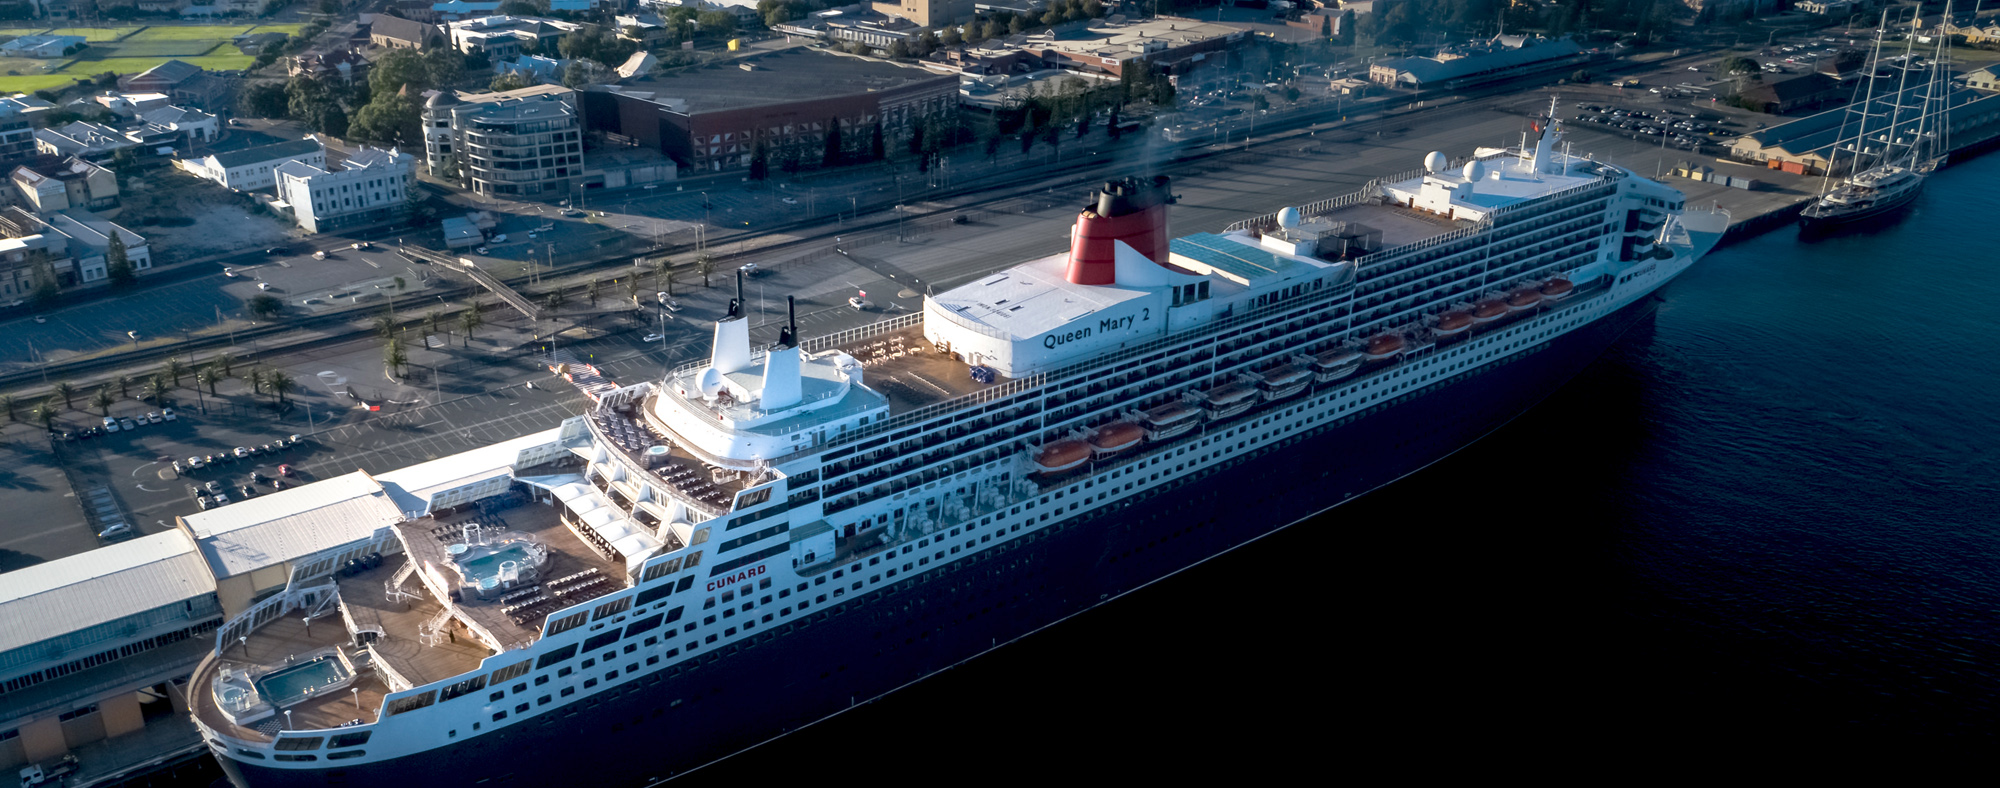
(908, 370)
(1400, 226)
(429, 542)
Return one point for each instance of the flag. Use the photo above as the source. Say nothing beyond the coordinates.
(864, 293)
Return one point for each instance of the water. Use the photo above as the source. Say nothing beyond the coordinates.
(1768, 514)
(287, 685)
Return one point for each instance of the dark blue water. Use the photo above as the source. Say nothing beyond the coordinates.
(1770, 513)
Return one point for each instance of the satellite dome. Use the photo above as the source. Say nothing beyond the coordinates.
(1288, 218)
(443, 98)
(1435, 162)
(1474, 171)
(711, 383)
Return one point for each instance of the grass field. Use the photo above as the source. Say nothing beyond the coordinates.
(129, 50)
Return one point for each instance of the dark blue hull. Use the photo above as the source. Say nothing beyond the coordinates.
(664, 725)
(1876, 211)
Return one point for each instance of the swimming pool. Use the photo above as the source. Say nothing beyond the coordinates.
(294, 683)
(484, 569)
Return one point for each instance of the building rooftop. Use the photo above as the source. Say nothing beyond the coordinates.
(779, 77)
(98, 587)
(413, 486)
(291, 523)
(1032, 299)
(1424, 70)
(172, 71)
(264, 153)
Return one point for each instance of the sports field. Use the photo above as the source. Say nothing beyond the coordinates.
(129, 50)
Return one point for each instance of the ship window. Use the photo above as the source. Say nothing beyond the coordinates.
(568, 691)
(540, 680)
(588, 683)
(589, 663)
(564, 673)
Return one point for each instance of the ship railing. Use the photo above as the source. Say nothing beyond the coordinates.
(826, 342)
(270, 610)
(395, 681)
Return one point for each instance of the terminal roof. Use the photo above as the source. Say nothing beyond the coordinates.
(99, 587)
(412, 487)
(292, 523)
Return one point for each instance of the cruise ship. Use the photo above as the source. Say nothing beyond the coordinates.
(764, 538)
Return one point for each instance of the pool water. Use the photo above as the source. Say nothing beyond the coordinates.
(478, 569)
(291, 684)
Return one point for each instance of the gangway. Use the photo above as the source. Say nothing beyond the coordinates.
(513, 297)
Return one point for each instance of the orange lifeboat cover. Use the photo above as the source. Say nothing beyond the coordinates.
(1062, 453)
(1556, 287)
(1524, 297)
(1453, 321)
(1493, 308)
(1384, 344)
(1117, 435)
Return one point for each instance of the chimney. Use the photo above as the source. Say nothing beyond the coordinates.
(1129, 210)
(732, 336)
(783, 382)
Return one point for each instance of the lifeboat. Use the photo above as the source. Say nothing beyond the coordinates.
(1061, 456)
(1524, 299)
(1115, 437)
(1335, 364)
(1282, 381)
(1170, 420)
(1383, 346)
(1454, 322)
(1557, 289)
(1227, 400)
(1489, 310)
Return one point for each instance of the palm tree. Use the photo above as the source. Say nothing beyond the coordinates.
(209, 376)
(590, 292)
(660, 269)
(226, 362)
(469, 320)
(280, 384)
(66, 391)
(45, 413)
(395, 356)
(432, 320)
(155, 388)
(174, 368)
(385, 326)
(400, 284)
(102, 400)
(124, 384)
(704, 265)
(555, 299)
(632, 289)
(256, 381)
(8, 403)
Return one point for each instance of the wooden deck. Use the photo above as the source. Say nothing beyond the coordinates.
(428, 541)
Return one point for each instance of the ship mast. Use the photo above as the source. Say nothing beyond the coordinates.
(1860, 133)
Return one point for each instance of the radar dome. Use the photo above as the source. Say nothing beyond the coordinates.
(711, 383)
(1288, 218)
(1474, 171)
(1435, 161)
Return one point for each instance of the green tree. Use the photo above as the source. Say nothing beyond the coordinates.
(554, 300)
(513, 80)
(174, 368)
(67, 392)
(469, 320)
(264, 305)
(226, 362)
(432, 321)
(207, 377)
(590, 292)
(833, 152)
(395, 356)
(519, 8)
(45, 414)
(102, 401)
(390, 119)
(280, 385)
(155, 389)
(256, 378)
(1737, 64)
(43, 274)
(124, 384)
(118, 266)
(395, 69)
(704, 265)
(384, 327)
(263, 100)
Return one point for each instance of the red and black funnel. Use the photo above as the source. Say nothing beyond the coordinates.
(1129, 210)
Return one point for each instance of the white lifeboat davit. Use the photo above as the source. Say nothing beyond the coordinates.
(1171, 419)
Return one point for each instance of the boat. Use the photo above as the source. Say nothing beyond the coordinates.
(813, 543)
(1283, 380)
(1557, 289)
(1888, 159)
(1455, 322)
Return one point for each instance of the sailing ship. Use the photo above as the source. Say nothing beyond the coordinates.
(1889, 161)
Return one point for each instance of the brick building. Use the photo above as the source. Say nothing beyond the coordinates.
(711, 118)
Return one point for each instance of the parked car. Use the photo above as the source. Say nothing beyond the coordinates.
(154, 417)
(195, 463)
(204, 503)
(117, 532)
(653, 337)
(860, 303)
(283, 470)
(749, 269)
(127, 424)
(241, 452)
(179, 467)
(110, 424)
(500, 239)
(168, 414)
(263, 285)
(245, 491)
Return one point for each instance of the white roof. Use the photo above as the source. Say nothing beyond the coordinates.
(294, 523)
(417, 484)
(98, 587)
(1033, 298)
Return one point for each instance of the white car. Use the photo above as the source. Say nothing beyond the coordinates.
(153, 418)
(229, 272)
(110, 424)
(263, 285)
(195, 462)
(500, 239)
(127, 424)
(788, 201)
(748, 269)
(860, 303)
(480, 250)
(168, 414)
(653, 337)
(241, 452)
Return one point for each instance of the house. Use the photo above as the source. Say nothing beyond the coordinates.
(40, 46)
(50, 184)
(182, 82)
(372, 186)
(536, 67)
(506, 36)
(94, 141)
(88, 236)
(1987, 78)
(341, 64)
(392, 32)
(129, 105)
(254, 168)
(72, 243)
(177, 123)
